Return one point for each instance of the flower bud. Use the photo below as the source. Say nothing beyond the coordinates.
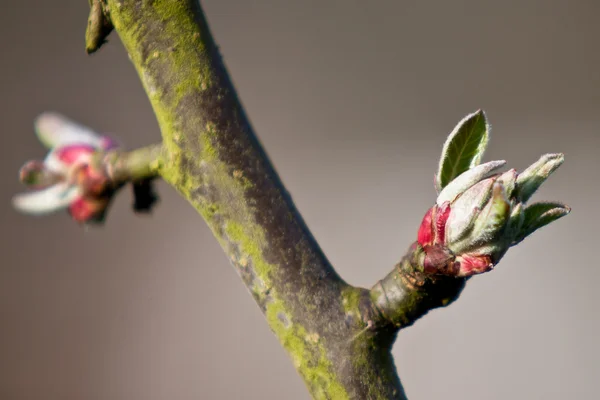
(71, 176)
(490, 222)
(466, 208)
(477, 218)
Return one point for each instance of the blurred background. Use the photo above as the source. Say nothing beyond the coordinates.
(353, 101)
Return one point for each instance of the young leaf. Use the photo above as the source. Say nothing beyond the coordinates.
(538, 215)
(464, 148)
(532, 178)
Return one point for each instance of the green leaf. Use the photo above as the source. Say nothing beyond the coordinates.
(464, 148)
(539, 215)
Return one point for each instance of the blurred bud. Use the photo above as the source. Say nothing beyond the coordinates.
(71, 176)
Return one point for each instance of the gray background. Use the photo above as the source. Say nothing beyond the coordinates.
(352, 100)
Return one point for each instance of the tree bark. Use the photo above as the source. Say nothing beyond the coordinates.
(339, 337)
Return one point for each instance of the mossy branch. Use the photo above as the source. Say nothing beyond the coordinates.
(130, 166)
(338, 336)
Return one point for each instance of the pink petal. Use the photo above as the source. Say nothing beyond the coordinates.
(425, 235)
(62, 159)
(86, 209)
(440, 222)
(75, 153)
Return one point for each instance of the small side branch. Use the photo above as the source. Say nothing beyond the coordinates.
(407, 293)
(98, 28)
(141, 168)
(140, 164)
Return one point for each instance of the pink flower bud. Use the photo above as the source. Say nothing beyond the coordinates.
(448, 232)
(71, 176)
(477, 217)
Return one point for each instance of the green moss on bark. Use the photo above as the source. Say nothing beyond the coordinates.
(308, 354)
(214, 160)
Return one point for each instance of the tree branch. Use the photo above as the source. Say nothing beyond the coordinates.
(140, 167)
(215, 161)
(338, 336)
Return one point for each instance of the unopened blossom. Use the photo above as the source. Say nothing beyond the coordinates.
(71, 176)
(481, 213)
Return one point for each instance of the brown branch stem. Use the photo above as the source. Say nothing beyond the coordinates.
(339, 337)
(407, 293)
